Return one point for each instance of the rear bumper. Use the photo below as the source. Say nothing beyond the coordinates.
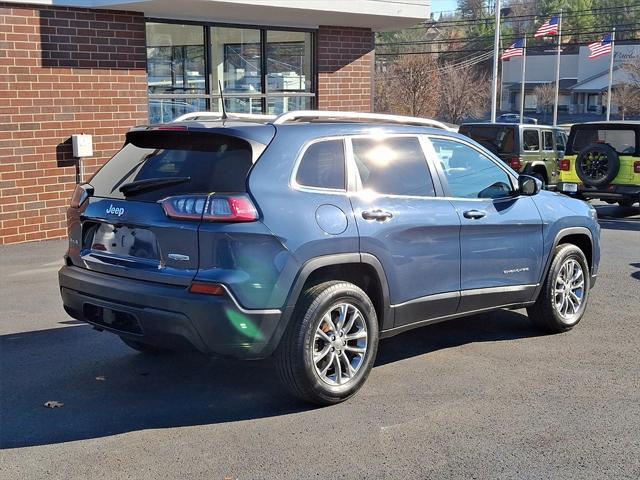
(612, 192)
(168, 316)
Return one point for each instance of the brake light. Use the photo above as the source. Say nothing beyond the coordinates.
(210, 208)
(636, 167)
(80, 195)
(565, 165)
(515, 163)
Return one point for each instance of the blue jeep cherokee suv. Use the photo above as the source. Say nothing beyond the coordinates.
(311, 236)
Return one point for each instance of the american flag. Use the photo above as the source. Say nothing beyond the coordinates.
(550, 27)
(515, 50)
(597, 49)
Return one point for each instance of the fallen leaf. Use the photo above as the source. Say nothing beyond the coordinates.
(53, 404)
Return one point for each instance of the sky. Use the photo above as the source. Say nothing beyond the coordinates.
(443, 5)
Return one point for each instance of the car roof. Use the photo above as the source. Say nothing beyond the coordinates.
(509, 124)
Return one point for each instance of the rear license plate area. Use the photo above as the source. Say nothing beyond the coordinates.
(120, 240)
(570, 187)
(110, 318)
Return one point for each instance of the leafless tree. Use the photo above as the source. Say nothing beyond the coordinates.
(409, 87)
(546, 96)
(625, 96)
(464, 93)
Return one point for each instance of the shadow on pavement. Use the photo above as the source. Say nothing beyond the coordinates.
(109, 389)
(636, 274)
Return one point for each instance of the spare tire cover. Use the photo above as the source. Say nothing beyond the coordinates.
(597, 165)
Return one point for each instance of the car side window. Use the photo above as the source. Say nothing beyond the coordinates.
(547, 140)
(530, 140)
(393, 166)
(469, 173)
(323, 166)
(561, 141)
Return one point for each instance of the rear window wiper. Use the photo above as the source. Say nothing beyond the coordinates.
(147, 184)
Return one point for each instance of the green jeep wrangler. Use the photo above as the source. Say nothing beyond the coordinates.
(602, 161)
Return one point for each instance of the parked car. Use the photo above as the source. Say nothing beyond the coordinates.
(603, 161)
(534, 150)
(312, 236)
(515, 118)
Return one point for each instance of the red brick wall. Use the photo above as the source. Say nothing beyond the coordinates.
(345, 68)
(62, 71)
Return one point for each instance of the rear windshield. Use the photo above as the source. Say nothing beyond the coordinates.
(181, 162)
(497, 139)
(622, 141)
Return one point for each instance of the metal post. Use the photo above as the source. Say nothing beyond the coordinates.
(524, 78)
(613, 46)
(496, 54)
(555, 104)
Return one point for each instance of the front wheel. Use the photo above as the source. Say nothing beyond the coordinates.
(563, 299)
(330, 344)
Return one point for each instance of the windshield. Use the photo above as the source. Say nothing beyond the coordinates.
(497, 139)
(155, 165)
(622, 141)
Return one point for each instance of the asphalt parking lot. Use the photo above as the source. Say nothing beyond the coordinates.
(482, 397)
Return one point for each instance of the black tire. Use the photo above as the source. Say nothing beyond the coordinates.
(143, 347)
(545, 313)
(294, 357)
(627, 202)
(597, 165)
(540, 177)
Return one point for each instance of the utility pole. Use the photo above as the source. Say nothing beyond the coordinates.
(496, 54)
(613, 46)
(524, 78)
(555, 104)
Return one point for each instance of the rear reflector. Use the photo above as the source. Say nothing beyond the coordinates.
(207, 288)
(211, 208)
(565, 165)
(515, 163)
(636, 167)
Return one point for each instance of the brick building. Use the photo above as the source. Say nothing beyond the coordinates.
(66, 69)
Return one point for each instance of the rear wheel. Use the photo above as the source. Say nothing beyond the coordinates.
(627, 202)
(143, 347)
(563, 299)
(330, 345)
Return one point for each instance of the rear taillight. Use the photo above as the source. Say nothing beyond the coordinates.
(211, 208)
(81, 194)
(207, 288)
(636, 167)
(515, 163)
(565, 165)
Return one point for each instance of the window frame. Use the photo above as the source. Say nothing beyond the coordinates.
(553, 141)
(435, 165)
(537, 130)
(211, 94)
(355, 182)
(293, 182)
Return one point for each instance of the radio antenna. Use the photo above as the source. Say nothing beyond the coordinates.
(224, 110)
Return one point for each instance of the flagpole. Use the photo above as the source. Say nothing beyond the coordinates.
(524, 76)
(555, 104)
(496, 53)
(613, 46)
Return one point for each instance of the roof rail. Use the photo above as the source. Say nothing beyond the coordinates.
(358, 116)
(218, 116)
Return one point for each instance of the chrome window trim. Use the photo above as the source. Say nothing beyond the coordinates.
(293, 183)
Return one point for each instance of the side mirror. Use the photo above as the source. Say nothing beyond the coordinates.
(529, 185)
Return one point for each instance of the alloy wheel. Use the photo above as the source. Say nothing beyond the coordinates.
(568, 292)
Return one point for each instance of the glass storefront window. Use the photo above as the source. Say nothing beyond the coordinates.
(236, 60)
(175, 58)
(288, 61)
(261, 70)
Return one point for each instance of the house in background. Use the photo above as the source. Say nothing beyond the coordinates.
(68, 68)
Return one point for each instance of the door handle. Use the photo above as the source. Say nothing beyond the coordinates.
(378, 215)
(474, 214)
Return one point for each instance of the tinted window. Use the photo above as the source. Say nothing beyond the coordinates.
(623, 141)
(469, 173)
(393, 166)
(322, 165)
(530, 140)
(497, 139)
(547, 140)
(204, 162)
(560, 141)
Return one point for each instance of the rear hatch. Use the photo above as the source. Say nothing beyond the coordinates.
(501, 140)
(143, 210)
